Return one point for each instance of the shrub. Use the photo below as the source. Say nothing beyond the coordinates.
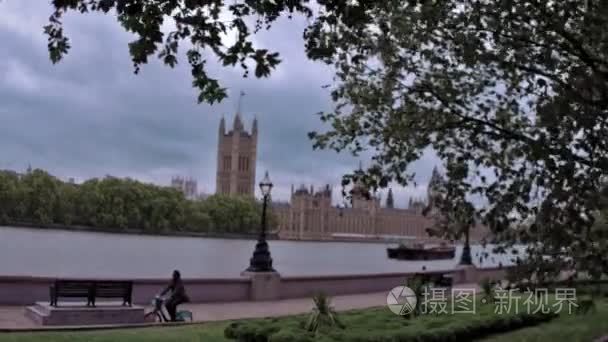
(322, 314)
(250, 331)
(291, 336)
(430, 329)
(487, 288)
(585, 305)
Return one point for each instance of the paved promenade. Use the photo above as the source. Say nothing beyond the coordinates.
(13, 318)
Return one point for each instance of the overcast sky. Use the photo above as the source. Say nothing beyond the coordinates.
(89, 115)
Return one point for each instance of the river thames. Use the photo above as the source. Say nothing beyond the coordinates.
(58, 253)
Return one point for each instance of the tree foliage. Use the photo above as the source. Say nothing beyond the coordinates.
(200, 25)
(118, 204)
(512, 93)
(449, 206)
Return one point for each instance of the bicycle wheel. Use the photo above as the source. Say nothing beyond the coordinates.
(153, 316)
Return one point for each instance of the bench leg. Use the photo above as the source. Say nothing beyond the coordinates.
(52, 295)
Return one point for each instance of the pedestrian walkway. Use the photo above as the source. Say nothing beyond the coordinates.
(13, 318)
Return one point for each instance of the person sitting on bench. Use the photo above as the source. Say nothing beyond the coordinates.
(178, 294)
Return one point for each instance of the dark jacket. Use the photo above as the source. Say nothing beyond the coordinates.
(178, 291)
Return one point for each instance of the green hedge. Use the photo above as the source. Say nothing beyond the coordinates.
(290, 330)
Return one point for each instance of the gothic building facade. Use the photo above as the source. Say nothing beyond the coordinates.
(188, 186)
(310, 214)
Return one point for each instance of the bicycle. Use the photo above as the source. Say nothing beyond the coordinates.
(158, 314)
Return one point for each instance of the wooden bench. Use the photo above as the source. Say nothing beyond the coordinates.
(91, 289)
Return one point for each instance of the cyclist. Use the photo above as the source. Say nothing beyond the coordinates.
(178, 294)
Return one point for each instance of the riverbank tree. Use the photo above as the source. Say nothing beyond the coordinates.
(513, 94)
(37, 197)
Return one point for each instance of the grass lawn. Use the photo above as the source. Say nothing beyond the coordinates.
(359, 323)
(571, 328)
(210, 332)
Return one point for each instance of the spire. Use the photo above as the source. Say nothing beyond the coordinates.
(435, 176)
(254, 127)
(292, 190)
(435, 184)
(390, 202)
(436, 179)
(237, 126)
(238, 108)
(222, 126)
(360, 165)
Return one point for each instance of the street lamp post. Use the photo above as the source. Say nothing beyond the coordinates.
(466, 258)
(261, 260)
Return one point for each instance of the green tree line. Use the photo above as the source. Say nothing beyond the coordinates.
(39, 198)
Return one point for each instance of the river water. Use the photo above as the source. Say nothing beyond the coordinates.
(57, 253)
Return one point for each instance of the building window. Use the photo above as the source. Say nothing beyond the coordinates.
(227, 163)
(243, 163)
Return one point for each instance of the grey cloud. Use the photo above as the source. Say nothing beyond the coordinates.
(89, 115)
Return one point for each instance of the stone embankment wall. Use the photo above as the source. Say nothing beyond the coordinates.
(28, 290)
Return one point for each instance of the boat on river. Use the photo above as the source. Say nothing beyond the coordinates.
(421, 252)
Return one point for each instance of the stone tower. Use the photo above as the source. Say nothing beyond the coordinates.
(433, 191)
(435, 183)
(236, 158)
(390, 201)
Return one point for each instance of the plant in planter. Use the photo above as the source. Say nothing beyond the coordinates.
(322, 314)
